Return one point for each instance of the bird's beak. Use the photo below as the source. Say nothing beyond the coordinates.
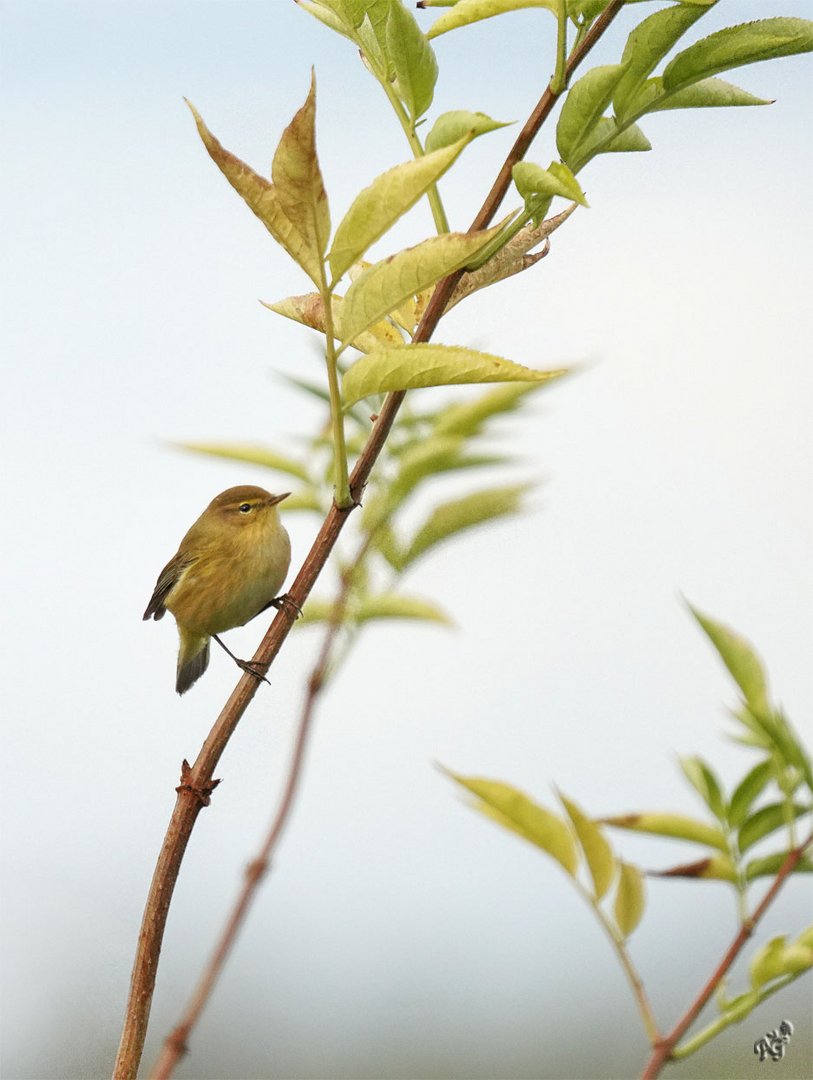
(278, 498)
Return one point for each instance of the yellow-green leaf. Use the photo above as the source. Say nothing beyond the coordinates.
(408, 367)
(466, 12)
(379, 206)
(383, 287)
(706, 94)
(678, 826)
(262, 198)
(584, 106)
(630, 900)
(741, 660)
(468, 417)
(596, 848)
(399, 606)
(714, 868)
(412, 57)
(454, 125)
(309, 310)
(533, 181)
(777, 958)
(513, 810)
(298, 179)
(254, 453)
(453, 517)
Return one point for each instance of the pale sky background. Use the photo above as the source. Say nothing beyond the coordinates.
(399, 934)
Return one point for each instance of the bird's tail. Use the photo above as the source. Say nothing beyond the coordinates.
(193, 659)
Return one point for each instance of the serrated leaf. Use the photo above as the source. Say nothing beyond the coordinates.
(706, 94)
(740, 658)
(309, 310)
(513, 809)
(379, 206)
(399, 606)
(646, 46)
(630, 899)
(466, 12)
(713, 868)
(702, 778)
(468, 417)
(409, 367)
(452, 126)
(735, 46)
(769, 865)
(453, 517)
(413, 59)
(678, 826)
(253, 453)
(533, 181)
(261, 197)
(584, 106)
(380, 289)
(298, 180)
(598, 853)
(748, 790)
(767, 820)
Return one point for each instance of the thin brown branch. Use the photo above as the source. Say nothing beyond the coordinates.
(193, 794)
(176, 1043)
(663, 1049)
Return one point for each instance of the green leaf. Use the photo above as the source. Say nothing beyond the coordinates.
(646, 46)
(468, 417)
(379, 206)
(769, 866)
(433, 455)
(466, 12)
(630, 900)
(298, 179)
(597, 851)
(777, 958)
(706, 94)
(735, 46)
(749, 789)
(513, 810)
(408, 367)
(767, 820)
(607, 138)
(533, 181)
(398, 606)
(740, 659)
(412, 57)
(450, 127)
(705, 783)
(253, 453)
(584, 106)
(678, 826)
(262, 198)
(453, 517)
(387, 284)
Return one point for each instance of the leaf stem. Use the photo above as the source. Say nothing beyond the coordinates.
(634, 979)
(342, 486)
(415, 144)
(559, 80)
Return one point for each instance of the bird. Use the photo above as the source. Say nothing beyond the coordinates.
(228, 568)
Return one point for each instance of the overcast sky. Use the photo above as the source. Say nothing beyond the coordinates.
(400, 933)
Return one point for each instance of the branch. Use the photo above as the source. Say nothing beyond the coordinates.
(195, 789)
(175, 1045)
(664, 1049)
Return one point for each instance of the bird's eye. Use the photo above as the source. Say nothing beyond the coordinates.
(245, 508)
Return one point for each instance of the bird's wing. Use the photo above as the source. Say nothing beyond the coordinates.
(167, 580)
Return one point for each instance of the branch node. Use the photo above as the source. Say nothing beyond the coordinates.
(202, 792)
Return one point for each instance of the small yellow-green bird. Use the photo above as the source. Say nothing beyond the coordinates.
(229, 567)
